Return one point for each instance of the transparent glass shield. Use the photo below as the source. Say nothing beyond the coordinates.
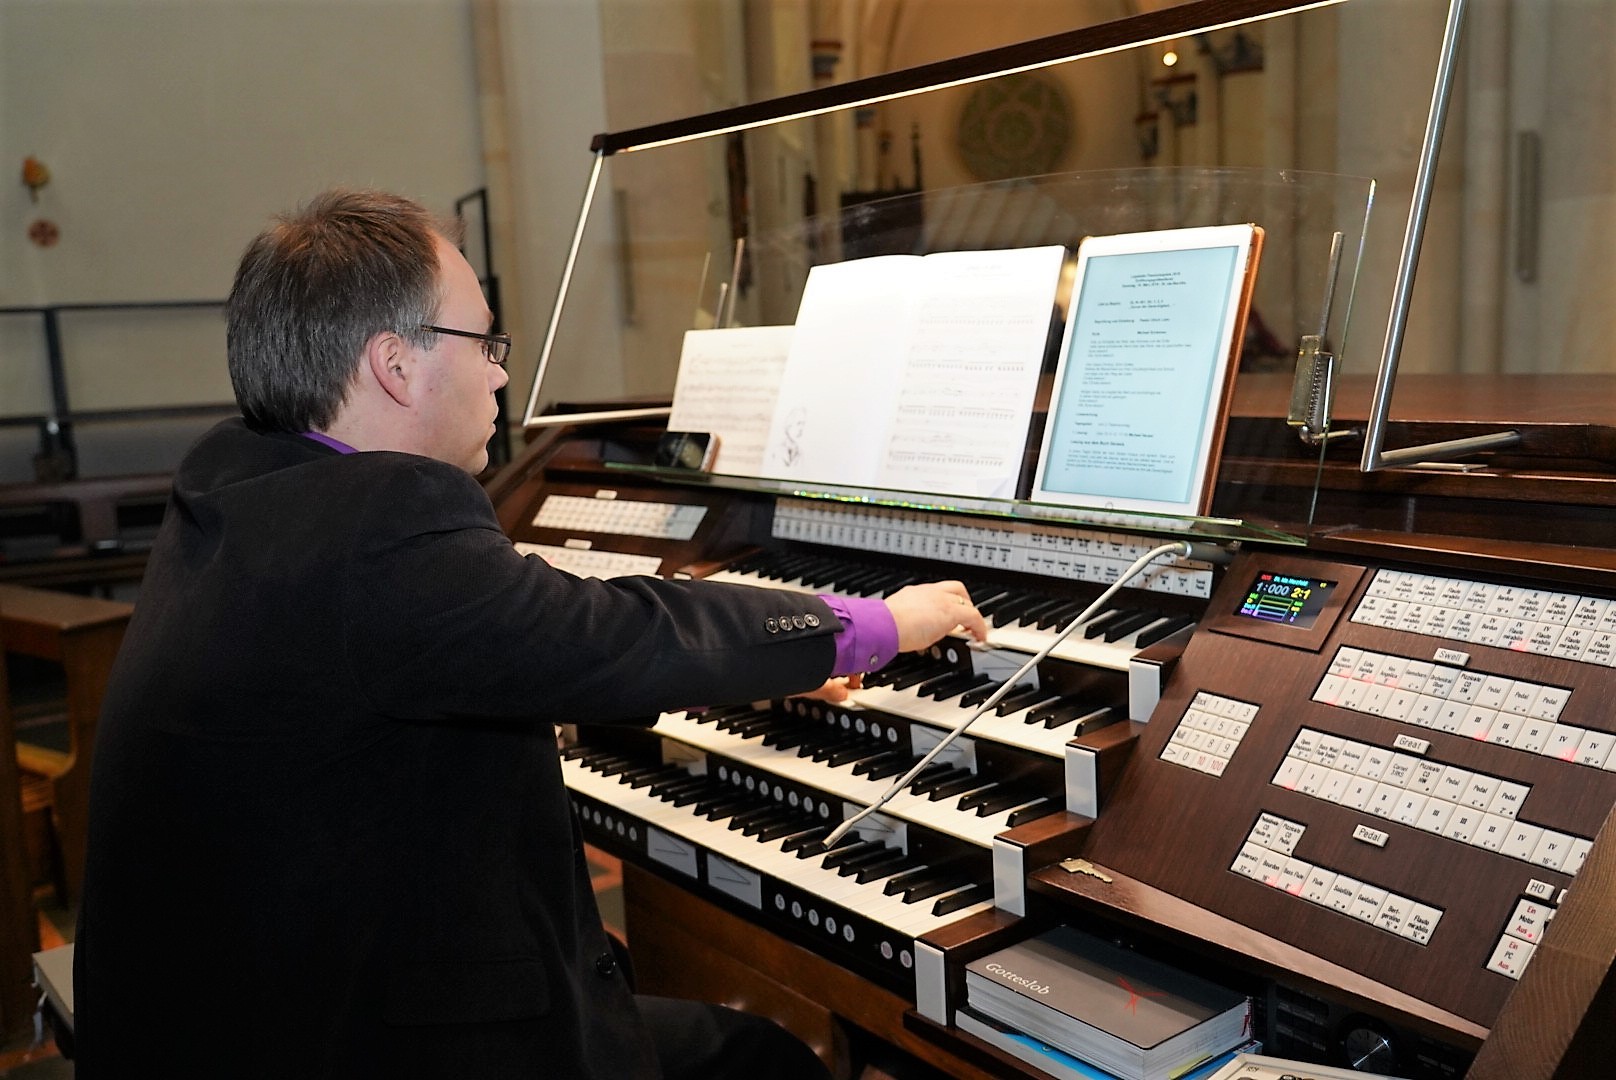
(686, 273)
(1488, 420)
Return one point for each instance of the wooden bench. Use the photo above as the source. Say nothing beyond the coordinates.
(82, 634)
(19, 932)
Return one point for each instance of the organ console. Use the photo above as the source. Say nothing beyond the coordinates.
(1359, 764)
(1367, 775)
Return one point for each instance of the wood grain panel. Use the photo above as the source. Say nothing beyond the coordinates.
(1178, 831)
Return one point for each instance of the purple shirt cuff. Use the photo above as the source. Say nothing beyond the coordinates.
(869, 636)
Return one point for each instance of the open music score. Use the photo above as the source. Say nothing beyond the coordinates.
(916, 373)
(728, 382)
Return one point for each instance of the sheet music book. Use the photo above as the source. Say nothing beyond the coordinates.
(727, 384)
(916, 372)
(1146, 369)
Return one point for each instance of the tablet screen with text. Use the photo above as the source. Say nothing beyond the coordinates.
(1146, 365)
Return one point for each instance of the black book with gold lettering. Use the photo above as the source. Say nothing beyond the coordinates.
(1128, 1014)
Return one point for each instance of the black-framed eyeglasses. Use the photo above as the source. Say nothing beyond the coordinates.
(496, 347)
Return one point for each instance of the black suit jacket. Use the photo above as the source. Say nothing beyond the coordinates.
(328, 833)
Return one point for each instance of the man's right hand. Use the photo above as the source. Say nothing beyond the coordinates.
(924, 613)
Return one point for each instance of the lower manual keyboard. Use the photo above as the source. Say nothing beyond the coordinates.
(866, 900)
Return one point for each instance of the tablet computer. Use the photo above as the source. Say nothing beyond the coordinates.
(1146, 366)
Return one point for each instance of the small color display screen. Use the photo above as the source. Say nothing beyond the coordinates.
(1285, 598)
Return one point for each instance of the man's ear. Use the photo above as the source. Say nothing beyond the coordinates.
(391, 363)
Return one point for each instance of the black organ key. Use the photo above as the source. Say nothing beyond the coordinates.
(875, 767)
(1030, 615)
(937, 886)
(882, 868)
(775, 825)
(787, 736)
(902, 665)
(957, 786)
(937, 773)
(747, 727)
(1032, 812)
(1165, 629)
(799, 840)
(1098, 719)
(1014, 605)
(864, 748)
(676, 784)
(1058, 617)
(971, 685)
(998, 804)
(751, 821)
(855, 856)
(1125, 626)
(684, 792)
(976, 695)
(878, 865)
(1021, 699)
(1047, 710)
(824, 575)
(914, 678)
(831, 747)
(721, 803)
(1097, 625)
(750, 564)
(988, 605)
(944, 686)
(978, 796)
(892, 767)
(608, 764)
(897, 581)
(777, 567)
(910, 879)
(982, 592)
(864, 582)
(646, 775)
(686, 795)
(814, 847)
(793, 567)
(796, 825)
(1069, 713)
(962, 899)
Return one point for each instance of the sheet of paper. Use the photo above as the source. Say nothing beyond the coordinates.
(727, 385)
(980, 327)
(830, 421)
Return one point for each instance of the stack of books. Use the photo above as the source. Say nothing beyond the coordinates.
(1104, 1006)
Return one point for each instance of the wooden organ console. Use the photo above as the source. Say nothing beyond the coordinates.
(1376, 807)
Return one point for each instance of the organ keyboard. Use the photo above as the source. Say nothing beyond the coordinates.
(1021, 618)
(754, 835)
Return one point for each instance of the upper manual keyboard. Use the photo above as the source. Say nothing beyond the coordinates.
(1019, 618)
